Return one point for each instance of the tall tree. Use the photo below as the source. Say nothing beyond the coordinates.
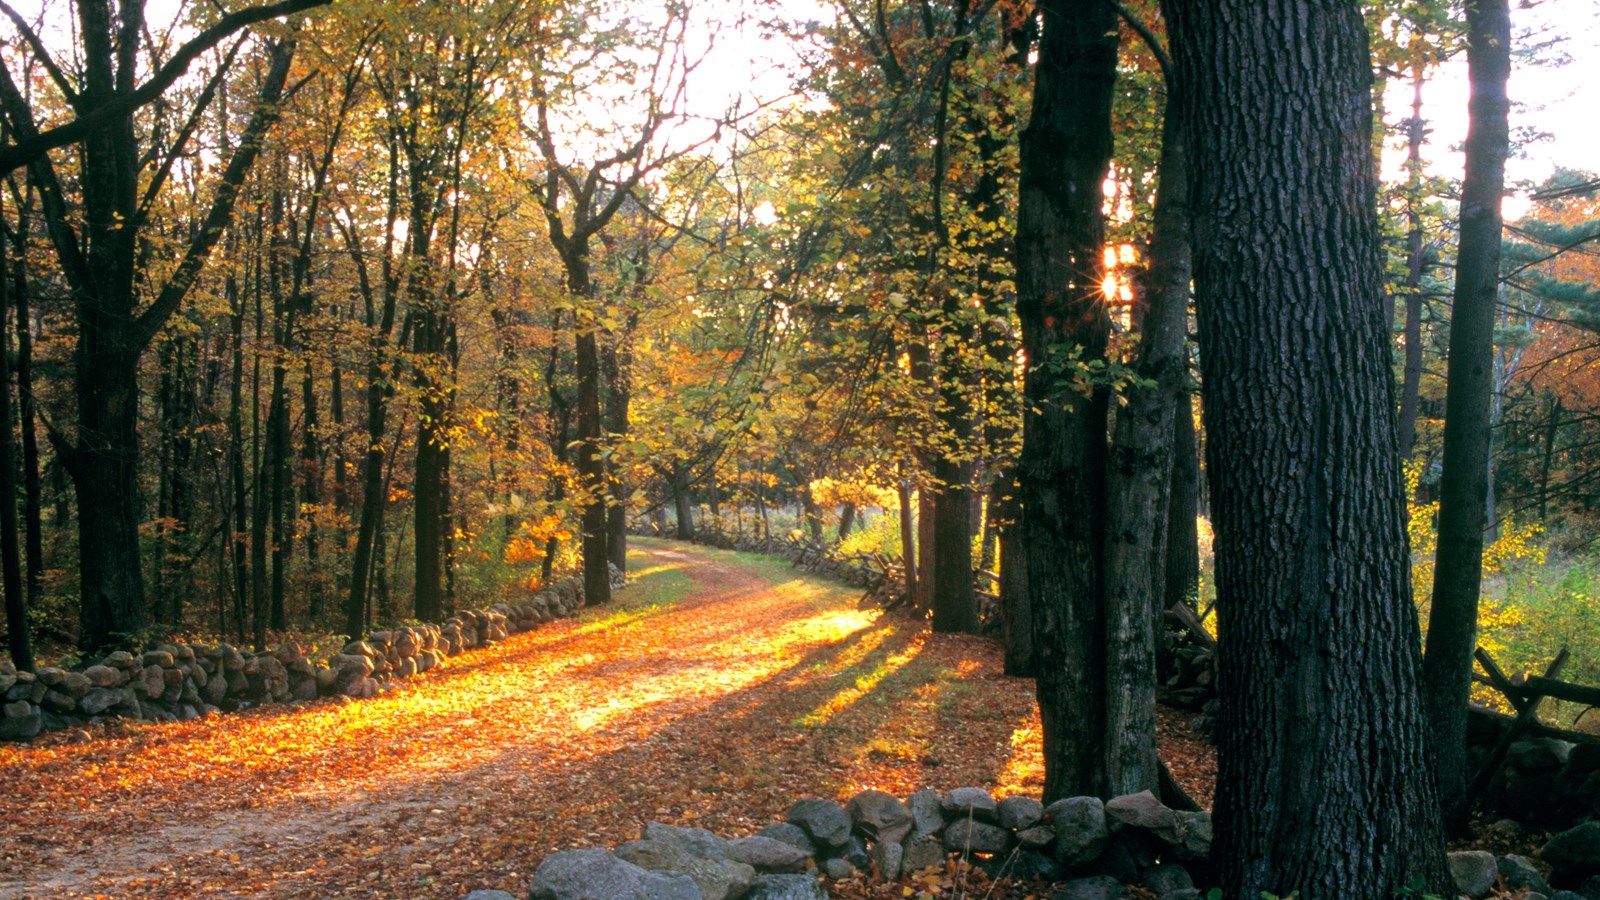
(1066, 152)
(1141, 470)
(1464, 481)
(1324, 785)
(98, 253)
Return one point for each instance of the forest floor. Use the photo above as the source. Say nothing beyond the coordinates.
(717, 689)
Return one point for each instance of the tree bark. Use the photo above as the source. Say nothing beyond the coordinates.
(591, 466)
(683, 507)
(1183, 510)
(1464, 480)
(18, 632)
(1324, 784)
(1066, 152)
(1140, 482)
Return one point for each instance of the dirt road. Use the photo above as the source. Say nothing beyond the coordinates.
(715, 691)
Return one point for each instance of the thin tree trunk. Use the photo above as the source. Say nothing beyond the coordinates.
(591, 468)
(619, 393)
(1140, 482)
(33, 494)
(908, 541)
(18, 639)
(1411, 383)
(1465, 478)
(1182, 578)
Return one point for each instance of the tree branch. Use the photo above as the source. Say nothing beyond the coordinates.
(221, 213)
(26, 150)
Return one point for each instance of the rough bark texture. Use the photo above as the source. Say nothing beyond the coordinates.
(1140, 482)
(1183, 508)
(1324, 786)
(18, 640)
(1066, 150)
(591, 467)
(1463, 483)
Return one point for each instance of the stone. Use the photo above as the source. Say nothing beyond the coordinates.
(1519, 874)
(1165, 878)
(927, 812)
(122, 659)
(1019, 812)
(1194, 894)
(1029, 864)
(824, 820)
(50, 676)
(1081, 832)
(693, 841)
(152, 681)
(22, 721)
(856, 852)
(1196, 846)
(921, 852)
(719, 879)
(880, 816)
(971, 836)
(1574, 854)
(969, 802)
(98, 700)
(838, 868)
(75, 685)
(157, 658)
(1098, 887)
(586, 875)
(1538, 754)
(768, 854)
(1036, 838)
(104, 676)
(488, 895)
(1144, 811)
(786, 887)
(890, 857)
(1473, 871)
(793, 835)
(55, 701)
(670, 886)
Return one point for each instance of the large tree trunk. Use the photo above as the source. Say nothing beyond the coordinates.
(1140, 482)
(105, 474)
(1066, 151)
(1464, 480)
(683, 507)
(1323, 780)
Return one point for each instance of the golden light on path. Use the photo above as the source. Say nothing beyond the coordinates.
(719, 704)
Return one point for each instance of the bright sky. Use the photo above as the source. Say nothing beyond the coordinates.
(1561, 100)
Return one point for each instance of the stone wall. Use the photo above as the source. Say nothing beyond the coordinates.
(1127, 847)
(178, 682)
